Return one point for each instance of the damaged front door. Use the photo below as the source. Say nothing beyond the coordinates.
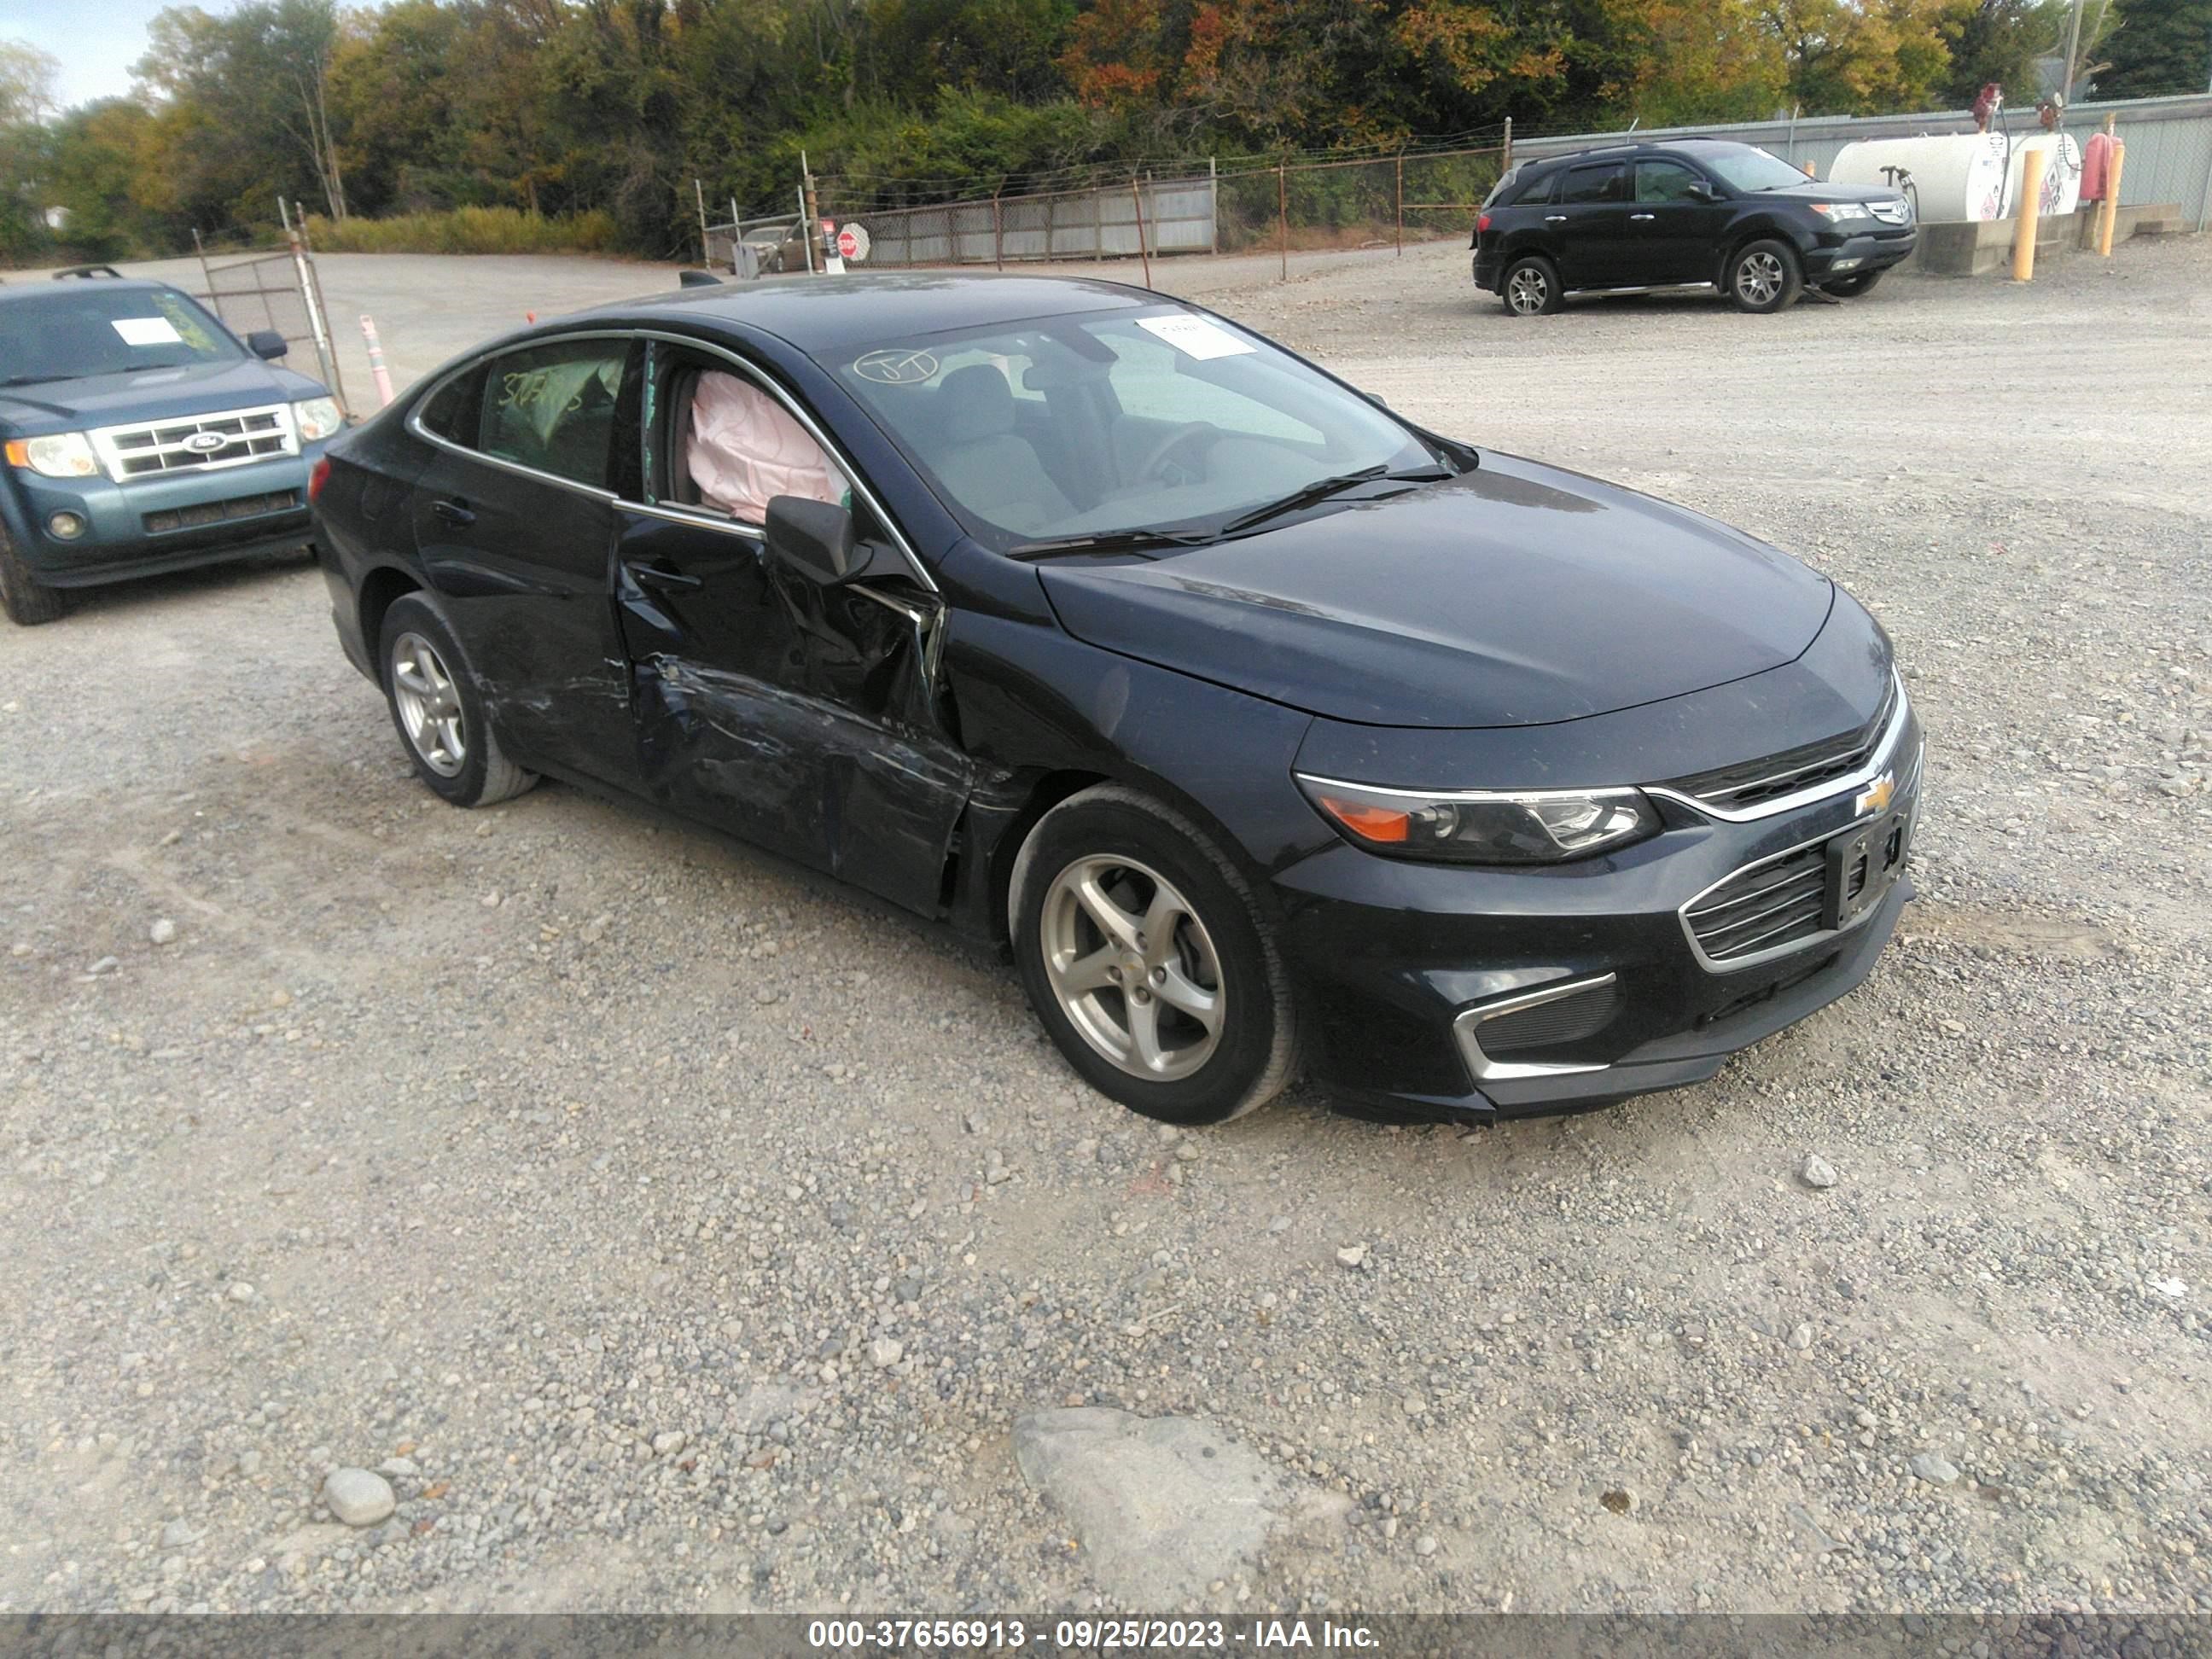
(799, 716)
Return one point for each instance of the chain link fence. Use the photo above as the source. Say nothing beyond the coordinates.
(1376, 200)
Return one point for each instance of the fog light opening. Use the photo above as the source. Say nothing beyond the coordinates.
(65, 526)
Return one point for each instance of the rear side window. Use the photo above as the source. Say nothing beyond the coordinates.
(1537, 191)
(1606, 182)
(450, 412)
(552, 408)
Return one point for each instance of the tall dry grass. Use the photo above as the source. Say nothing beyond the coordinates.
(467, 230)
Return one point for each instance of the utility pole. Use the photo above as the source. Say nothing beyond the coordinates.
(2073, 55)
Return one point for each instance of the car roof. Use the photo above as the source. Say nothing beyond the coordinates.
(835, 315)
(1639, 147)
(104, 284)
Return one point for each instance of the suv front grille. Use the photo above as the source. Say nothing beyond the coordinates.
(196, 443)
(1763, 908)
(1892, 213)
(1751, 784)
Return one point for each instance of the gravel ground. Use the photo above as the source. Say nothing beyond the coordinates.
(676, 1231)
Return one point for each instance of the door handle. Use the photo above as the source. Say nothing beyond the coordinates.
(453, 511)
(646, 575)
(1555, 218)
(1633, 217)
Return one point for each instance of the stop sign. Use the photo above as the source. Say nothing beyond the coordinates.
(852, 242)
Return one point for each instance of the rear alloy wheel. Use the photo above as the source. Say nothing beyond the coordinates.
(1143, 952)
(1851, 287)
(1764, 276)
(1531, 287)
(436, 709)
(28, 601)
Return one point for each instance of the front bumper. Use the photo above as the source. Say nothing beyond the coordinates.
(1404, 969)
(150, 525)
(1850, 256)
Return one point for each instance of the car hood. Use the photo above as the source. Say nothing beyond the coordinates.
(150, 394)
(1814, 190)
(1516, 594)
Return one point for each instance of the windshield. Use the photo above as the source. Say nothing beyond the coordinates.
(1746, 167)
(84, 328)
(1102, 425)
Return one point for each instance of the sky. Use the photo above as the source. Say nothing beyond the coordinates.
(96, 40)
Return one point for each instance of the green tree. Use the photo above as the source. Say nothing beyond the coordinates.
(2159, 46)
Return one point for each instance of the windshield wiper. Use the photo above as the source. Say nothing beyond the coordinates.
(40, 379)
(1108, 541)
(1322, 489)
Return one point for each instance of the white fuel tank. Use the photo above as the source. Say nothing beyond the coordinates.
(1958, 175)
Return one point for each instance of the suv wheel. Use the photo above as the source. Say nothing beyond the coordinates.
(1144, 954)
(435, 706)
(1851, 287)
(26, 600)
(1531, 287)
(1764, 276)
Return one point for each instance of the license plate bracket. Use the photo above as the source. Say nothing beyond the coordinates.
(1863, 864)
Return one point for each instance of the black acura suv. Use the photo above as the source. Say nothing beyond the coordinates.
(1254, 721)
(1688, 213)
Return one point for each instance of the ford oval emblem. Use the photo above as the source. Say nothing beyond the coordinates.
(205, 443)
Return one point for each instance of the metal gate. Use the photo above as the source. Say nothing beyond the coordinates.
(277, 289)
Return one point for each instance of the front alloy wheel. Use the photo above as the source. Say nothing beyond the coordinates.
(1132, 967)
(1765, 276)
(1149, 960)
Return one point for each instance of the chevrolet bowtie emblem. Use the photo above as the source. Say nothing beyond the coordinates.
(1876, 796)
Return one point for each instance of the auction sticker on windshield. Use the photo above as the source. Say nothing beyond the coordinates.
(1194, 337)
(147, 330)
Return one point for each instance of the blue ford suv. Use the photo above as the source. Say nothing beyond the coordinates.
(142, 436)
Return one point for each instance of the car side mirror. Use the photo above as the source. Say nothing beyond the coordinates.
(813, 538)
(267, 344)
(1700, 193)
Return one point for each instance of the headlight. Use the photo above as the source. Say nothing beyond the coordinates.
(58, 455)
(317, 418)
(1836, 212)
(1479, 826)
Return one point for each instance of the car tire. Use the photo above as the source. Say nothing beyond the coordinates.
(1851, 287)
(1764, 276)
(1113, 847)
(1530, 287)
(437, 711)
(28, 601)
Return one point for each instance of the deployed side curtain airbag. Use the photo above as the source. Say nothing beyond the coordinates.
(743, 448)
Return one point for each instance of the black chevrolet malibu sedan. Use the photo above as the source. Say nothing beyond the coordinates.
(1259, 724)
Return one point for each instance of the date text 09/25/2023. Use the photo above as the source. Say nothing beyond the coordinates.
(1097, 1633)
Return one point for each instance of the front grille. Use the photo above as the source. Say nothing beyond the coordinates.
(196, 443)
(1892, 213)
(1750, 784)
(202, 513)
(1763, 908)
(1549, 1024)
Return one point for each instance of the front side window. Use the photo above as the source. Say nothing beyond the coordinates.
(1665, 181)
(84, 328)
(552, 408)
(1101, 424)
(1605, 182)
